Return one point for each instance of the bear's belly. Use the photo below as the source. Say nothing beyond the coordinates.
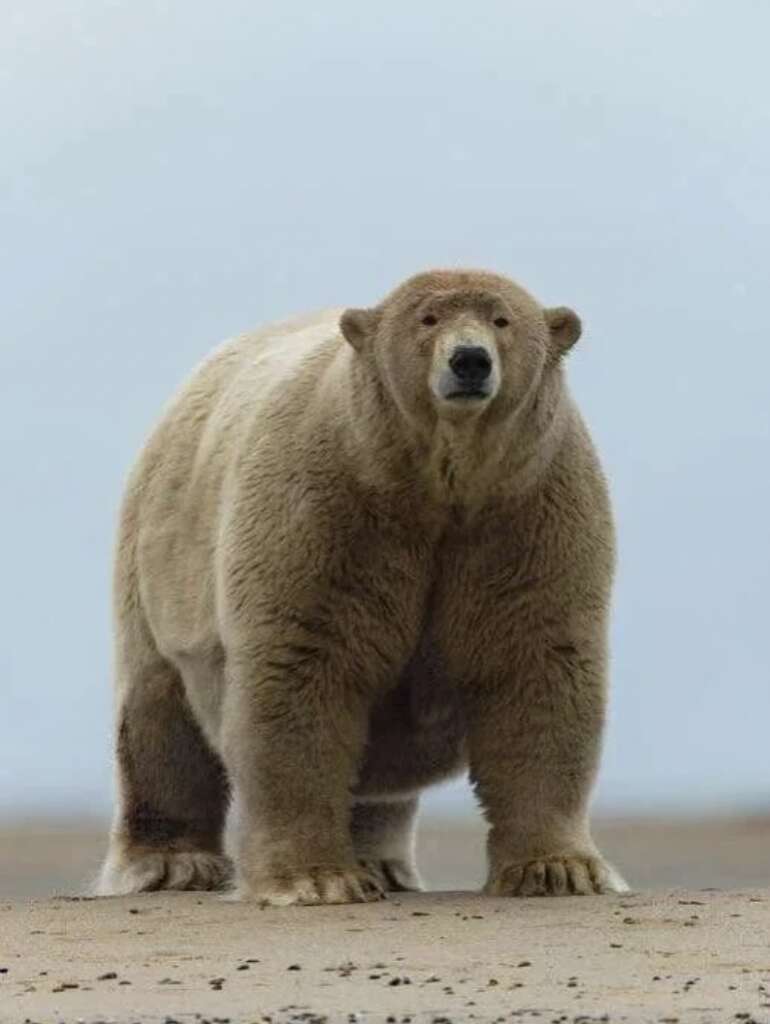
(416, 732)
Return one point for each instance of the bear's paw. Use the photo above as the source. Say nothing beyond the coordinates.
(563, 875)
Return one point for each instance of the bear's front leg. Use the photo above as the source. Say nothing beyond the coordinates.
(320, 605)
(292, 747)
(534, 738)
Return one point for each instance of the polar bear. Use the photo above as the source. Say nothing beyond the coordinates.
(362, 552)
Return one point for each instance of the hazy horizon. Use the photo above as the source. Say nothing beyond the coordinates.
(176, 173)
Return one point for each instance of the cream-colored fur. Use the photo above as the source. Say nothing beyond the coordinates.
(346, 571)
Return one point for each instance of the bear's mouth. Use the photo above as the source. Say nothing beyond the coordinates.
(468, 394)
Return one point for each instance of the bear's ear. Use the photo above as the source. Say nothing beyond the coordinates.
(565, 328)
(358, 326)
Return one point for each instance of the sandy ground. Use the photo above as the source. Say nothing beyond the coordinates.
(677, 956)
(689, 954)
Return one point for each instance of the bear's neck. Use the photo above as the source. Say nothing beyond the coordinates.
(459, 467)
(462, 464)
(475, 464)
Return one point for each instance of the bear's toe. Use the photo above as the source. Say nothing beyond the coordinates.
(393, 874)
(153, 870)
(311, 887)
(577, 875)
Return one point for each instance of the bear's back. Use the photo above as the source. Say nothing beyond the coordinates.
(170, 509)
(225, 392)
(238, 374)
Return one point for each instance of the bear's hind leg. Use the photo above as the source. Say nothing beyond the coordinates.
(173, 793)
(383, 838)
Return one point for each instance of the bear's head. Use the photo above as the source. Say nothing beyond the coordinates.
(457, 344)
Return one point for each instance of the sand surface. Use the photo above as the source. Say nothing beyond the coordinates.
(679, 950)
(663, 957)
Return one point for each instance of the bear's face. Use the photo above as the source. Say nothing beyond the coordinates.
(453, 344)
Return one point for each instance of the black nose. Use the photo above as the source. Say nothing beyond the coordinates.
(470, 363)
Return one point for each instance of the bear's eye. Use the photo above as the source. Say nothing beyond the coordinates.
(429, 320)
(500, 321)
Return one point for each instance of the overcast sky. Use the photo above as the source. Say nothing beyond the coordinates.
(174, 172)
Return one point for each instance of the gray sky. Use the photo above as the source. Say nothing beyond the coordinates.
(174, 172)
